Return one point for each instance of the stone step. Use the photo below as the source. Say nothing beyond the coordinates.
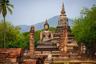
(47, 49)
(46, 46)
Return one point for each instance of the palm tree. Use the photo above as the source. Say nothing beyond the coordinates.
(5, 6)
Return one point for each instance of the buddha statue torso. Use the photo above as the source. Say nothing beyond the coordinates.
(46, 35)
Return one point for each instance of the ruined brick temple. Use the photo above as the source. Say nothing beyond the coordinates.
(59, 47)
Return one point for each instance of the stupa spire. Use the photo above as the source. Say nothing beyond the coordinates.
(46, 22)
(63, 9)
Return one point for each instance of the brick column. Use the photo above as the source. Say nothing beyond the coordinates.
(31, 42)
(63, 41)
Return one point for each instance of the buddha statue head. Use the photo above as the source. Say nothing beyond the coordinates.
(46, 25)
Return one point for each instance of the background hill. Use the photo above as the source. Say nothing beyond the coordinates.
(53, 22)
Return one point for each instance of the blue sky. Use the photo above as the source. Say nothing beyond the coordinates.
(29, 12)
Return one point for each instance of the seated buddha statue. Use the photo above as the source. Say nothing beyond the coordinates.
(46, 35)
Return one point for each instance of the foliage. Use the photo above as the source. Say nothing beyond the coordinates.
(12, 34)
(84, 29)
(37, 36)
(5, 6)
(14, 38)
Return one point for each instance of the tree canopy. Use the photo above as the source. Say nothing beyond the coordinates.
(84, 29)
(12, 33)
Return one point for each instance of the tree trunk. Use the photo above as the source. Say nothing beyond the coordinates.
(4, 33)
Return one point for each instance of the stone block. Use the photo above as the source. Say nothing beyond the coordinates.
(29, 61)
(13, 59)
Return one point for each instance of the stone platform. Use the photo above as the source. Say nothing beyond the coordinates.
(48, 46)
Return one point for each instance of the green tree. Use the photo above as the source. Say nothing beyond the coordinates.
(5, 6)
(84, 29)
(12, 35)
(25, 39)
